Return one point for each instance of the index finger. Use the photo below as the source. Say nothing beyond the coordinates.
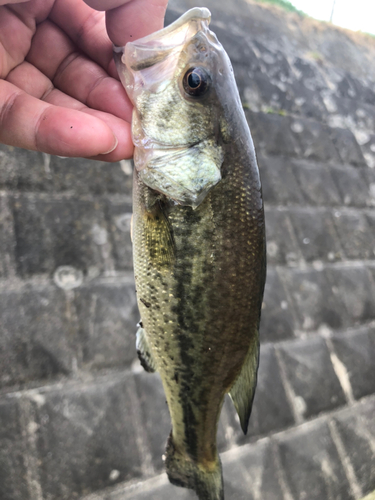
(128, 20)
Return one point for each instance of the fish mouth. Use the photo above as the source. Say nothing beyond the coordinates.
(157, 47)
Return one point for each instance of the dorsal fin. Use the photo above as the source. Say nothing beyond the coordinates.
(243, 390)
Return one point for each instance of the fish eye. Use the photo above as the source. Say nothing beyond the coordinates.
(196, 82)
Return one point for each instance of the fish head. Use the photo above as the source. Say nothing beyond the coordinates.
(178, 79)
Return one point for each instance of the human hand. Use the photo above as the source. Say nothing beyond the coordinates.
(59, 89)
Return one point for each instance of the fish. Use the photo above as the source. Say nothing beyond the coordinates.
(198, 237)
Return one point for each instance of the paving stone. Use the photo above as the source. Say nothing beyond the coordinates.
(107, 317)
(356, 350)
(24, 170)
(119, 215)
(352, 185)
(314, 141)
(305, 99)
(250, 473)
(82, 176)
(34, 343)
(357, 240)
(370, 218)
(13, 484)
(355, 289)
(311, 375)
(58, 232)
(347, 146)
(315, 303)
(272, 134)
(7, 239)
(369, 176)
(155, 421)
(278, 182)
(352, 88)
(315, 183)
(356, 427)
(281, 243)
(83, 434)
(316, 234)
(157, 488)
(262, 94)
(271, 407)
(312, 465)
(277, 321)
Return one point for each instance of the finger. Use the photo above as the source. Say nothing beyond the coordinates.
(42, 88)
(135, 19)
(15, 38)
(86, 28)
(105, 4)
(120, 128)
(32, 124)
(4, 2)
(54, 55)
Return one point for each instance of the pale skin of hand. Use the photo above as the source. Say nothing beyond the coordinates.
(59, 89)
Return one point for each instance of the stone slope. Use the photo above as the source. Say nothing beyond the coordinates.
(78, 417)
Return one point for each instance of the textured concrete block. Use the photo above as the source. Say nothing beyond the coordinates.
(314, 301)
(24, 170)
(279, 184)
(272, 134)
(312, 465)
(357, 240)
(86, 436)
(311, 375)
(119, 216)
(313, 140)
(316, 234)
(352, 185)
(356, 350)
(356, 427)
(82, 176)
(7, 239)
(58, 232)
(107, 317)
(281, 243)
(347, 146)
(155, 420)
(250, 473)
(354, 288)
(277, 321)
(13, 474)
(369, 176)
(315, 183)
(34, 343)
(156, 488)
(272, 410)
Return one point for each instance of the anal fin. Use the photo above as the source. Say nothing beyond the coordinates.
(144, 351)
(243, 390)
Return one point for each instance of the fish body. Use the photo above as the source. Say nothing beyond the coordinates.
(198, 238)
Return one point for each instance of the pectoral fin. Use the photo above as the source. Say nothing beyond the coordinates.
(243, 390)
(144, 351)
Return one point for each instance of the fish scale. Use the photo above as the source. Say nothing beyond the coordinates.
(199, 256)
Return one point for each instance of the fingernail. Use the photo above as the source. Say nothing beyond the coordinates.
(113, 148)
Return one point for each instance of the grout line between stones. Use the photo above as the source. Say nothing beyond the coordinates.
(29, 430)
(347, 465)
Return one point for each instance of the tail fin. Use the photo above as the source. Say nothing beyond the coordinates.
(183, 471)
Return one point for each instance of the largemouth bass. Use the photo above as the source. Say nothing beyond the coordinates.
(198, 238)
